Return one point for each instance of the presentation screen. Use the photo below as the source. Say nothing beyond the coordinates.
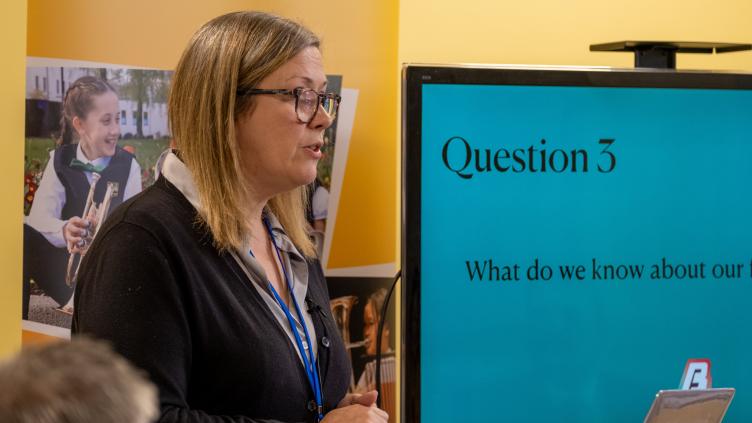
(571, 238)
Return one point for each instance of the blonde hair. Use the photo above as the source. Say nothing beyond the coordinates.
(230, 53)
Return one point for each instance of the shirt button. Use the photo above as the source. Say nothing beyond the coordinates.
(312, 405)
(325, 342)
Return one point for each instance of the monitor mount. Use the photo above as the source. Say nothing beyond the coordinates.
(662, 54)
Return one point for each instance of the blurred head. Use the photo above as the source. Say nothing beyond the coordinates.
(238, 145)
(371, 319)
(91, 114)
(79, 381)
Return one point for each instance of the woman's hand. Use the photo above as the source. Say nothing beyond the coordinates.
(75, 232)
(357, 408)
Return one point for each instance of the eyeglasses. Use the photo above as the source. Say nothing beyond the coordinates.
(307, 101)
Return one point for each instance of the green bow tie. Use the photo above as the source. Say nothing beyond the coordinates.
(87, 167)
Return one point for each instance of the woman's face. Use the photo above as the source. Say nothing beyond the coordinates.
(99, 130)
(371, 330)
(278, 152)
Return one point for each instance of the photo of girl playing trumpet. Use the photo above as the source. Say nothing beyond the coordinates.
(87, 176)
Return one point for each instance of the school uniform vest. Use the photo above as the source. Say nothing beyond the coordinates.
(77, 185)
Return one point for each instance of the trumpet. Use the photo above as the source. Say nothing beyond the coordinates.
(341, 308)
(98, 215)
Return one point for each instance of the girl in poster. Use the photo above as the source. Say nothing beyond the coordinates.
(55, 227)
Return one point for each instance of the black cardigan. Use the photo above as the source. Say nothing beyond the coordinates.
(154, 286)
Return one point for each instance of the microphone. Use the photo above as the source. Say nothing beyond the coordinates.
(311, 306)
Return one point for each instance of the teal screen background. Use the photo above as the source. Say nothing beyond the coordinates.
(590, 350)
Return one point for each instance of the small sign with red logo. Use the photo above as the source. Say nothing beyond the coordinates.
(696, 374)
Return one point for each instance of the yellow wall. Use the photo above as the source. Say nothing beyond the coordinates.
(559, 32)
(360, 43)
(135, 32)
(12, 77)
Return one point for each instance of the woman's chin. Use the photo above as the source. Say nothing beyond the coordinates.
(285, 182)
(306, 178)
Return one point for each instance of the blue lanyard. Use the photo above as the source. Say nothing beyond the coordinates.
(309, 360)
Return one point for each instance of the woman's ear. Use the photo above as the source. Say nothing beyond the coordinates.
(78, 126)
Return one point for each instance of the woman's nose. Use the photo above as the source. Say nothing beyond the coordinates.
(322, 120)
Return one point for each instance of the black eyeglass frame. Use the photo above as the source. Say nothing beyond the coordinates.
(295, 92)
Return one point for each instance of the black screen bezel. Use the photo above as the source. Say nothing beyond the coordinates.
(413, 79)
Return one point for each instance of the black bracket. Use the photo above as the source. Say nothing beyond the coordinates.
(662, 54)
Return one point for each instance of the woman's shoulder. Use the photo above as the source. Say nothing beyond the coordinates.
(159, 209)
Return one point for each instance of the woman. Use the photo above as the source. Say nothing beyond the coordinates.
(90, 129)
(208, 279)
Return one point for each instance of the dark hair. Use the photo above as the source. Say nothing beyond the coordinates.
(78, 103)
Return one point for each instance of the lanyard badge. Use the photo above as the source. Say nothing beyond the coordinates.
(309, 360)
